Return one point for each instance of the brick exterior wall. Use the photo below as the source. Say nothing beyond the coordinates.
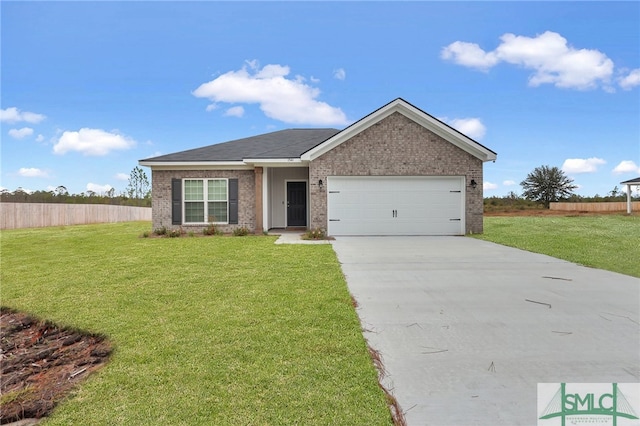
(397, 146)
(161, 190)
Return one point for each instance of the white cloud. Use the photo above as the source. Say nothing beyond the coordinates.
(98, 189)
(471, 127)
(469, 55)
(92, 142)
(631, 80)
(549, 55)
(280, 98)
(121, 176)
(39, 138)
(626, 166)
(14, 115)
(211, 107)
(236, 111)
(32, 172)
(509, 182)
(488, 186)
(21, 133)
(582, 165)
(340, 74)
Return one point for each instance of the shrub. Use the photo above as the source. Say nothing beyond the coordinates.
(211, 230)
(241, 231)
(160, 231)
(314, 234)
(174, 233)
(146, 234)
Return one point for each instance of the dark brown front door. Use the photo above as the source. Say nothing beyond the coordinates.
(296, 204)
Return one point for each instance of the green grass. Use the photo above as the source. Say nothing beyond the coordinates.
(610, 242)
(219, 330)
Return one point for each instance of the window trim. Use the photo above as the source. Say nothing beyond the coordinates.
(205, 200)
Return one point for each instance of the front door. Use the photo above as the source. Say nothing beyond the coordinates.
(296, 204)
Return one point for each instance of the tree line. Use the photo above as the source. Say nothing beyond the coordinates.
(137, 193)
(545, 185)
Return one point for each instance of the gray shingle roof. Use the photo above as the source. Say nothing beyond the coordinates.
(290, 143)
(636, 180)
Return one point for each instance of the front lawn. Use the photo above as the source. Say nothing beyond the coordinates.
(610, 242)
(216, 330)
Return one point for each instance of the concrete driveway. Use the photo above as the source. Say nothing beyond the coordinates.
(468, 328)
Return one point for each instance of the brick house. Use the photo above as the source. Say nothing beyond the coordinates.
(397, 171)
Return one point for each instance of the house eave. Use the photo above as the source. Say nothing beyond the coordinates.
(276, 162)
(635, 181)
(196, 165)
(246, 164)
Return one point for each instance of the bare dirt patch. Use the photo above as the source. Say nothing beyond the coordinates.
(547, 212)
(41, 363)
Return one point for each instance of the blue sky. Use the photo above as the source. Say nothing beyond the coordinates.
(89, 88)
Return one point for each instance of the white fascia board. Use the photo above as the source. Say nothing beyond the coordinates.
(411, 112)
(192, 165)
(276, 162)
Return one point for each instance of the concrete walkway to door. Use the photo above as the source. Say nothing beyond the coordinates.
(468, 328)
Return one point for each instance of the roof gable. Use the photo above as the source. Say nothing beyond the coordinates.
(413, 113)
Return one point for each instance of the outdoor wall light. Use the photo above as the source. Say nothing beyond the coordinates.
(474, 183)
(320, 184)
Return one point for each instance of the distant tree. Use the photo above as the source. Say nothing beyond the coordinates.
(61, 190)
(615, 192)
(547, 184)
(512, 198)
(20, 195)
(139, 186)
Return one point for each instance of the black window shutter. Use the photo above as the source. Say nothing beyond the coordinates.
(176, 201)
(233, 201)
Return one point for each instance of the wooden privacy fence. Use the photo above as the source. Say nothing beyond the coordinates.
(595, 207)
(37, 215)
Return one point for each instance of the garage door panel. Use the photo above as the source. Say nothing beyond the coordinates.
(367, 205)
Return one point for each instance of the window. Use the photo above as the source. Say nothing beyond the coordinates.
(206, 201)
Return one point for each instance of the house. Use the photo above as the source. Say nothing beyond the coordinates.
(397, 171)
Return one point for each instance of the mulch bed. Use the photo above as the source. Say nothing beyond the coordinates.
(41, 363)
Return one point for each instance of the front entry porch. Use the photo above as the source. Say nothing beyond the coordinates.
(285, 192)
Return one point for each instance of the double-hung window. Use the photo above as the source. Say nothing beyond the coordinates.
(206, 201)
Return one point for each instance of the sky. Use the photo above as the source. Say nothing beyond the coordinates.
(89, 88)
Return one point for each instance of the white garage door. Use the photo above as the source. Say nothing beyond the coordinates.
(395, 205)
